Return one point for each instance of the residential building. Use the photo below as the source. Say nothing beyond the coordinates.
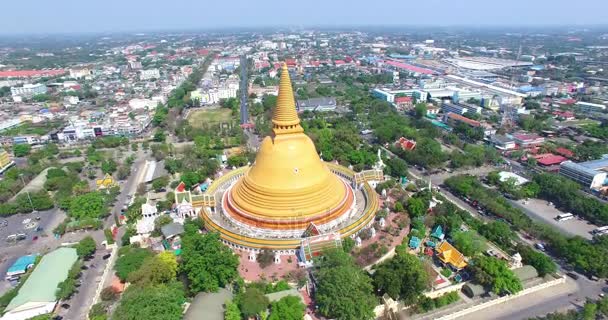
(585, 107)
(37, 295)
(528, 140)
(78, 73)
(5, 160)
(502, 142)
(591, 174)
(453, 119)
(149, 74)
(317, 104)
(29, 90)
(405, 144)
(135, 65)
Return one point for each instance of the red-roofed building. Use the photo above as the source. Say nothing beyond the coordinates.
(455, 118)
(339, 62)
(564, 115)
(564, 152)
(567, 101)
(549, 159)
(528, 140)
(202, 52)
(31, 73)
(403, 101)
(290, 62)
(405, 144)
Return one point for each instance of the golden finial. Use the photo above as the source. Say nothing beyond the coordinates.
(285, 118)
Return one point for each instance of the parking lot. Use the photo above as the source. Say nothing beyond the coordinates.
(542, 211)
(10, 251)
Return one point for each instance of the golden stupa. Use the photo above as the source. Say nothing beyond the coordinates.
(289, 186)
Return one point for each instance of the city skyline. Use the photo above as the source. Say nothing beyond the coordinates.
(156, 15)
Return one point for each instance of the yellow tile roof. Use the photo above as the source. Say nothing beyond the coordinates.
(448, 254)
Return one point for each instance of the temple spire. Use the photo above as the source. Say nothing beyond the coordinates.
(285, 118)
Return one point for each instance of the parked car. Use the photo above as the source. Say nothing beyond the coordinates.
(540, 246)
(65, 306)
(106, 256)
(572, 275)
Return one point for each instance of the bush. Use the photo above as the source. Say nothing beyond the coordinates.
(108, 294)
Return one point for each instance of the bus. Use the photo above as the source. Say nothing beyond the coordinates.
(564, 216)
(600, 231)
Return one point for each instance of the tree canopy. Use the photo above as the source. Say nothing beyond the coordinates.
(130, 262)
(86, 247)
(287, 308)
(403, 277)
(156, 302)
(495, 274)
(344, 291)
(89, 205)
(207, 262)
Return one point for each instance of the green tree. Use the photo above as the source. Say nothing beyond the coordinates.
(157, 302)
(495, 274)
(287, 308)
(207, 262)
(90, 205)
(159, 183)
(232, 311)
(130, 262)
(416, 207)
(161, 268)
(109, 166)
(403, 277)
(468, 242)
(21, 150)
(498, 232)
(344, 291)
(420, 110)
(252, 302)
(86, 247)
(159, 136)
(542, 263)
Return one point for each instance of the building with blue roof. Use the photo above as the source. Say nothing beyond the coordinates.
(21, 266)
(591, 174)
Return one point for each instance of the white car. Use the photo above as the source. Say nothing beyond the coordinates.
(26, 221)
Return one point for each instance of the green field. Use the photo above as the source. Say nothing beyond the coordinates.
(199, 118)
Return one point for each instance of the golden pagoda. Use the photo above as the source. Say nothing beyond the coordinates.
(289, 186)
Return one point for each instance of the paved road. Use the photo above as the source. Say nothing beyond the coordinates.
(80, 302)
(558, 298)
(253, 141)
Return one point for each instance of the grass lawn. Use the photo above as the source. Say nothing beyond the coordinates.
(200, 117)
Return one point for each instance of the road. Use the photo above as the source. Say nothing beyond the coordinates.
(82, 301)
(562, 297)
(253, 141)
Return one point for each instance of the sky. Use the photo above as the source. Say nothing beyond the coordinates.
(77, 16)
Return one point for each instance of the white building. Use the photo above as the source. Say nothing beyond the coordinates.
(149, 74)
(591, 174)
(29, 90)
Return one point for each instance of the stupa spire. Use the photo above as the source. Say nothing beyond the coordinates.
(285, 118)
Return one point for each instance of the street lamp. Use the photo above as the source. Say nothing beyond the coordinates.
(27, 192)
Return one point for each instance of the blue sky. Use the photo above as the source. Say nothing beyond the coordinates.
(51, 16)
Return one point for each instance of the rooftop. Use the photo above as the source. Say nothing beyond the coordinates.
(41, 285)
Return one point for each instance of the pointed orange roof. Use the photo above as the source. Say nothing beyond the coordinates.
(285, 118)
